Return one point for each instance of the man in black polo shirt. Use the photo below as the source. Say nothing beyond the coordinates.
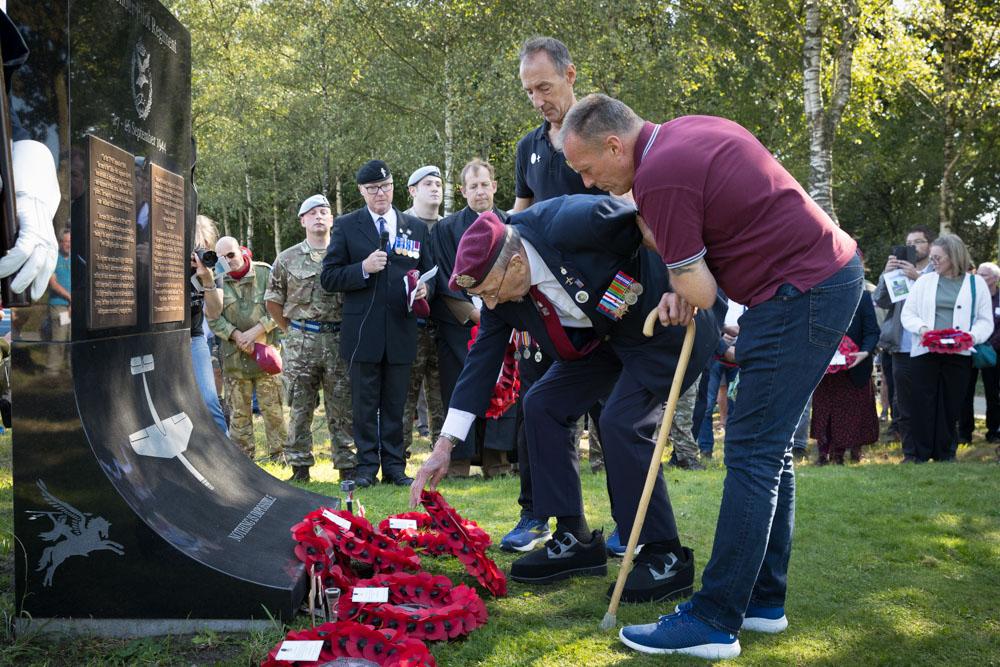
(547, 75)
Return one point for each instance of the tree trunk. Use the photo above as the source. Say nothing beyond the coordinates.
(225, 220)
(339, 196)
(823, 120)
(950, 154)
(326, 172)
(275, 222)
(449, 144)
(248, 242)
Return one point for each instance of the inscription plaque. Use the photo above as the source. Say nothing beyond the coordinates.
(111, 262)
(169, 265)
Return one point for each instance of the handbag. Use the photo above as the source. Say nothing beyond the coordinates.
(983, 354)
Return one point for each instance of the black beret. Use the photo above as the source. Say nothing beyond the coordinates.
(372, 171)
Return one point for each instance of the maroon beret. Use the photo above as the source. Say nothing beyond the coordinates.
(478, 251)
(267, 358)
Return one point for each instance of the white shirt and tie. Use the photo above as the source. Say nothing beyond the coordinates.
(390, 226)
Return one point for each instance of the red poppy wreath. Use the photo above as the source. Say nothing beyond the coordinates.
(472, 556)
(947, 341)
(354, 640)
(422, 605)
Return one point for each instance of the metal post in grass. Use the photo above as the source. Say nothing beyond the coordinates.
(610, 620)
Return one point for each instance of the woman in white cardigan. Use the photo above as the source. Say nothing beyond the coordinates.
(943, 300)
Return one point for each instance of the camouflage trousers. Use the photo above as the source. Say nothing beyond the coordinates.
(425, 371)
(312, 362)
(239, 396)
(685, 448)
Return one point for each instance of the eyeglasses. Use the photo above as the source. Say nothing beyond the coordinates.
(495, 296)
(375, 189)
(937, 258)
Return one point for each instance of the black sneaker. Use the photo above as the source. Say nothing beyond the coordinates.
(656, 577)
(564, 556)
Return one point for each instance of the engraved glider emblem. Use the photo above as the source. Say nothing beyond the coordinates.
(165, 439)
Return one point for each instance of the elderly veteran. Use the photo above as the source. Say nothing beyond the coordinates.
(569, 272)
(242, 324)
(310, 316)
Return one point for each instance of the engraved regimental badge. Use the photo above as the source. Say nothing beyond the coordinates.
(465, 281)
(142, 80)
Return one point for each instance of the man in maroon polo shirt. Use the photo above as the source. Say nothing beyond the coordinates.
(723, 213)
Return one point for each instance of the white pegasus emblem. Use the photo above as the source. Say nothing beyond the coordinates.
(75, 533)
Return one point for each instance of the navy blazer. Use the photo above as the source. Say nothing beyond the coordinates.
(864, 332)
(377, 304)
(585, 240)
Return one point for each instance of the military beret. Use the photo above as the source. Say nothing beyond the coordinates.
(422, 173)
(373, 171)
(313, 202)
(478, 251)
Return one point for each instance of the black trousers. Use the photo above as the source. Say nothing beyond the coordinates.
(903, 384)
(378, 399)
(890, 386)
(551, 408)
(967, 418)
(939, 385)
(530, 371)
(496, 434)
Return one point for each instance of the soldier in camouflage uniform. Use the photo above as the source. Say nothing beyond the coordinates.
(311, 317)
(686, 453)
(243, 322)
(426, 188)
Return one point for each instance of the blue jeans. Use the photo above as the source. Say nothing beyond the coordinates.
(800, 437)
(784, 347)
(203, 375)
(716, 371)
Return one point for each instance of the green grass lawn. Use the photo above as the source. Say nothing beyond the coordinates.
(892, 565)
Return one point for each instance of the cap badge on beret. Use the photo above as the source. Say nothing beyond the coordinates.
(465, 281)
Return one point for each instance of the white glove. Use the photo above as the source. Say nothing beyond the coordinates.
(33, 256)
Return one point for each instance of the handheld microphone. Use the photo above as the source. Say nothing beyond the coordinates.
(383, 240)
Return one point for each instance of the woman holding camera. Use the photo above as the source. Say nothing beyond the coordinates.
(204, 287)
(943, 300)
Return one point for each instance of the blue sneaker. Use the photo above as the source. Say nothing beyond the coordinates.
(615, 546)
(757, 619)
(681, 633)
(526, 535)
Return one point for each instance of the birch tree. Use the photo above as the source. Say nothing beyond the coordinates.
(823, 118)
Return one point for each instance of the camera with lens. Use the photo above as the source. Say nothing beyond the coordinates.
(207, 257)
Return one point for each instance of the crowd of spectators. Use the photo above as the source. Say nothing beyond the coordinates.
(928, 394)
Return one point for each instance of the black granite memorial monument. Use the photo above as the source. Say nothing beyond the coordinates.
(129, 504)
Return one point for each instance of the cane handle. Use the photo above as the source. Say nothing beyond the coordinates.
(650, 323)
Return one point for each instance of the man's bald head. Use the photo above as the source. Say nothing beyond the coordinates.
(228, 250)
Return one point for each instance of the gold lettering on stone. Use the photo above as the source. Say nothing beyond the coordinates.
(111, 265)
(169, 266)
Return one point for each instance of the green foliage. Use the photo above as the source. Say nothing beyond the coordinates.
(291, 96)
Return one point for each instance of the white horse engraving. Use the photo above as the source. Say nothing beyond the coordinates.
(75, 533)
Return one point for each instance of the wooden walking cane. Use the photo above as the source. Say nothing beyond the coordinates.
(610, 619)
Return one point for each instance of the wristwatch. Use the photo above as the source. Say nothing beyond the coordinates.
(448, 436)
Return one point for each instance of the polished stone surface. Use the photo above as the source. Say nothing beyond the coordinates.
(128, 501)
